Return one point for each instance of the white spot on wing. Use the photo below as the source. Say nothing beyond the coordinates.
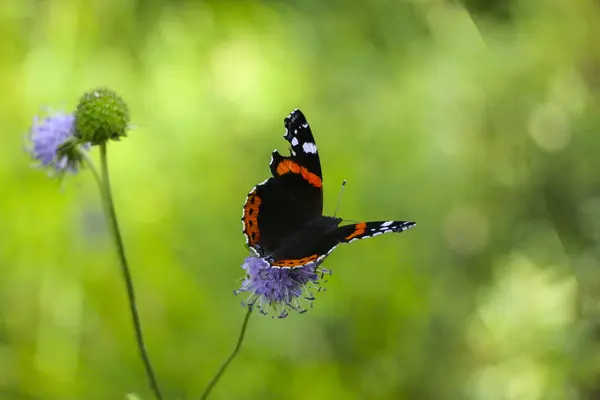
(294, 141)
(305, 126)
(388, 223)
(309, 147)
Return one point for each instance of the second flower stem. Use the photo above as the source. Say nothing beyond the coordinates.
(238, 345)
(107, 199)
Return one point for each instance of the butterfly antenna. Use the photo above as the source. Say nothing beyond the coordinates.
(339, 198)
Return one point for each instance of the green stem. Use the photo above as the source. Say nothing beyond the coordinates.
(114, 224)
(216, 378)
(90, 164)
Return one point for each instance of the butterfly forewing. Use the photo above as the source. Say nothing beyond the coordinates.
(283, 204)
(316, 244)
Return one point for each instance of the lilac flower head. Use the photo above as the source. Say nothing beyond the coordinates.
(53, 144)
(279, 288)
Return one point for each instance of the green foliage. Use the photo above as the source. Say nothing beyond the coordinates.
(484, 130)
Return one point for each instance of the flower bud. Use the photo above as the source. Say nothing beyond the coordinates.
(101, 115)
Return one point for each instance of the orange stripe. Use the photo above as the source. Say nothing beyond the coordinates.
(287, 166)
(359, 230)
(251, 209)
(295, 262)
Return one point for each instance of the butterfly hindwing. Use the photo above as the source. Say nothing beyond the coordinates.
(277, 208)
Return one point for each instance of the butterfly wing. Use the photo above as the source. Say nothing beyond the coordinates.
(285, 203)
(304, 149)
(319, 239)
(363, 230)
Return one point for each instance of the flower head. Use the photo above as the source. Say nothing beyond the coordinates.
(279, 288)
(101, 115)
(53, 144)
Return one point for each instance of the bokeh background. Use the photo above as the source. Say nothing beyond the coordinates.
(480, 120)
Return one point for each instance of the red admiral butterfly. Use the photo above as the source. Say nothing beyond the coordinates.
(283, 217)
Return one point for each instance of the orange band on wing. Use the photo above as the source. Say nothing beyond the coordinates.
(295, 262)
(288, 166)
(251, 218)
(359, 230)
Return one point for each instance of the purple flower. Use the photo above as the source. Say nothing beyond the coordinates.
(49, 145)
(279, 288)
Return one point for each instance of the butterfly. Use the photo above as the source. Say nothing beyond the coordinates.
(282, 217)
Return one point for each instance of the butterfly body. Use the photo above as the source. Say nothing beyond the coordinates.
(282, 217)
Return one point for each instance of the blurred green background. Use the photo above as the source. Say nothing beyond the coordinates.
(479, 120)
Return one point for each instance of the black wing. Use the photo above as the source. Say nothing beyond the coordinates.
(319, 239)
(304, 149)
(283, 204)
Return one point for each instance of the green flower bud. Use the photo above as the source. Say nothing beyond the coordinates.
(101, 115)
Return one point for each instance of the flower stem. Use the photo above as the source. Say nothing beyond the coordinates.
(114, 224)
(90, 164)
(216, 378)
